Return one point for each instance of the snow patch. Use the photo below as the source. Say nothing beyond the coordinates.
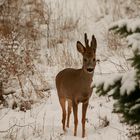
(134, 41)
(133, 108)
(108, 81)
(128, 82)
(131, 24)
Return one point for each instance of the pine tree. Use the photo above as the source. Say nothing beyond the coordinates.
(125, 88)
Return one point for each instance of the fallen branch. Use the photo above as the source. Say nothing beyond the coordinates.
(15, 125)
(44, 89)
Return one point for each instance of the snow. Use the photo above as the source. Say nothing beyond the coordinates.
(43, 121)
(128, 83)
(133, 108)
(138, 100)
(108, 81)
(131, 24)
(134, 41)
(111, 81)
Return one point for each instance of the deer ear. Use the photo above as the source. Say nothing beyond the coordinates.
(80, 47)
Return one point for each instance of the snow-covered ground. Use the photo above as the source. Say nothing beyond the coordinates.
(43, 121)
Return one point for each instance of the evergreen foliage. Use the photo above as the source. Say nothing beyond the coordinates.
(125, 88)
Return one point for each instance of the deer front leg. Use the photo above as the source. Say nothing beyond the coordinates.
(84, 110)
(75, 110)
(69, 112)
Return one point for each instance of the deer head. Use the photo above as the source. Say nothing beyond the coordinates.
(88, 53)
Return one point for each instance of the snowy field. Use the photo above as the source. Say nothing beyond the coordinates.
(43, 121)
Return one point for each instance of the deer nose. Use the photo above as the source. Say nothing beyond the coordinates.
(90, 69)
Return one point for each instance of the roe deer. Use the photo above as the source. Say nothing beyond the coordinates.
(73, 85)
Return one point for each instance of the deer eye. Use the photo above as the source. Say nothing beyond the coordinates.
(85, 59)
(93, 59)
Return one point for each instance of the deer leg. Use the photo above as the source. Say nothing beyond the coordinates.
(84, 110)
(62, 103)
(69, 112)
(75, 110)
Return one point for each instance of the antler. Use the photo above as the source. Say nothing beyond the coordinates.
(86, 41)
(93, 42)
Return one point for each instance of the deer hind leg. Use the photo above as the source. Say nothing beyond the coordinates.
(75, 110)
(84, 110)
(69, 112)
(63, 103)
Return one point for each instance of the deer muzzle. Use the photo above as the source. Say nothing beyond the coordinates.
(90, 70)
